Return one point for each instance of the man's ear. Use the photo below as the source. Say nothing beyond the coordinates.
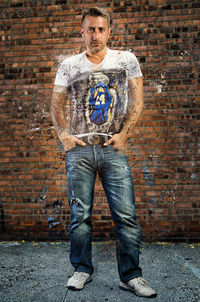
(110, 32)
(81, 31)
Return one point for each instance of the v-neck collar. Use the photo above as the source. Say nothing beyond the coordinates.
(93, 66)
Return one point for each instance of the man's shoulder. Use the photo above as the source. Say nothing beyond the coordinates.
(123, 54)
(72, 59)
(68, 69)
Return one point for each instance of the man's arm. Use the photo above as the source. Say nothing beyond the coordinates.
(60, 123)
(134, 110)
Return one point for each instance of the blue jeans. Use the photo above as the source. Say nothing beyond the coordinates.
(82, 165)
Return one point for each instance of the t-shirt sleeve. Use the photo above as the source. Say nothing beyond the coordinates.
(133, 66)
(62, 75)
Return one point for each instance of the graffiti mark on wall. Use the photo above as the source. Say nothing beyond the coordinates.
(52, 223)
(194, 176)
(149, 167)
(160, 83)
(55, 211)
(169, 195)
(39, 122)
(58, 204)
(148, 177)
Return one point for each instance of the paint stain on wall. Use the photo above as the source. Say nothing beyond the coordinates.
(148, 177)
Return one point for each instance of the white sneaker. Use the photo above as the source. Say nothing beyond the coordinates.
(78, 280)
(139, 287)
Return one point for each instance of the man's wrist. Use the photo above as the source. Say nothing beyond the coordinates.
(63, 134)
(124, 135)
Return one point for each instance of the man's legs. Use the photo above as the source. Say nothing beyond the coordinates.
(117, 182)
(81, 179)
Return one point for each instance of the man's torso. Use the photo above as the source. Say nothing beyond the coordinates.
(99, 91)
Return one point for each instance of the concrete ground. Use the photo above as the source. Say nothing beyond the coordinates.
(38, 272)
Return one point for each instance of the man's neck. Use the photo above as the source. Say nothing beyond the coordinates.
(96, 58)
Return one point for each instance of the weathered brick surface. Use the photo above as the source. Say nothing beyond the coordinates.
(35, 36)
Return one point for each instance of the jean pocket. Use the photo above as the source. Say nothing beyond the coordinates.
(119, 152)
(68, 151)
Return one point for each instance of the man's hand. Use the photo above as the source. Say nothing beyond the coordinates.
(70, 141)
(118, 141)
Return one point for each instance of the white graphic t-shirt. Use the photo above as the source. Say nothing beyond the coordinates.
(99, 92)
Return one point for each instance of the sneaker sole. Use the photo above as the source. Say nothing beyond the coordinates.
(77, 289)
(127, 288)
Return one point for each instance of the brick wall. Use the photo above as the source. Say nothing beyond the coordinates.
(35, 36)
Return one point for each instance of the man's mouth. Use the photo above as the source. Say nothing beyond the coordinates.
(96, 43)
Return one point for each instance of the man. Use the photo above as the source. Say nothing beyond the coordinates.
(107, 99)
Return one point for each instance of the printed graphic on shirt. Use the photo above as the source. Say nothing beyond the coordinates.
(102, 97)
(100, 103)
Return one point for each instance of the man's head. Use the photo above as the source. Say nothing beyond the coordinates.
(97, 12)
(96, 29)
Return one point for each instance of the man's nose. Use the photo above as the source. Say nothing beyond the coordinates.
(96, 34)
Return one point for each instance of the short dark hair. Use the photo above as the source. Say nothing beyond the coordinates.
(97, 12)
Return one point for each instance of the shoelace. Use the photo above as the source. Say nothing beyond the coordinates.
(77, 275)
(141, 281)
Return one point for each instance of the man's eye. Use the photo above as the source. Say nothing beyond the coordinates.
(91, 29)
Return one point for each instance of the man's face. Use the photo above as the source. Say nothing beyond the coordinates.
(95, 32)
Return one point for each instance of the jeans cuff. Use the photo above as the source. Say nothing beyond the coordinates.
(135, 274)
(84, 270)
